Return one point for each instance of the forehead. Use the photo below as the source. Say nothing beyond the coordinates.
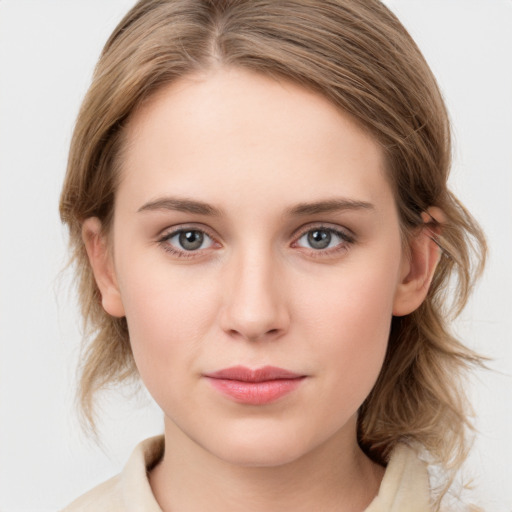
(217, 133)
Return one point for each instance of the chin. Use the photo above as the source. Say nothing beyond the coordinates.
(261, 447)
(267, 456)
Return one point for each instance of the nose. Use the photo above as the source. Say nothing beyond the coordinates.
(254, 305)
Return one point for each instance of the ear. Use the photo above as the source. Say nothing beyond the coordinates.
(420, 264)
(100, 259)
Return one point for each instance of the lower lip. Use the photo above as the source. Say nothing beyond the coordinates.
(255, 393)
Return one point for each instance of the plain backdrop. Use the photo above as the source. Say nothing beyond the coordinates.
(47, 52)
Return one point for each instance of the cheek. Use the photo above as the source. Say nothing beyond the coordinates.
(361, 321)
(351, 325)
(167, 316)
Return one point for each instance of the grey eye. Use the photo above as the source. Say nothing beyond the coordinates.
(188, 240)
(323, 238)
(191, 240)
(319, 238)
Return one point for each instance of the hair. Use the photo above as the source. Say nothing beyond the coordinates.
(358, 55)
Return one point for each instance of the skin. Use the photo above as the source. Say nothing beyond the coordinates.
(257, 292)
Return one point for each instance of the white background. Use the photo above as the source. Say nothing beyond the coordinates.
(47, 52)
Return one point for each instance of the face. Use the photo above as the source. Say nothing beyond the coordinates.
(257, 256)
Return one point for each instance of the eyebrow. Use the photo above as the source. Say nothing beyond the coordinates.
(181, 205)
(329, 206)
(301, 209)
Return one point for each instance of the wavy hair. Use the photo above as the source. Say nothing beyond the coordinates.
(360, 57)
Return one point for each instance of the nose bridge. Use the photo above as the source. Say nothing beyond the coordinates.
(254, 305)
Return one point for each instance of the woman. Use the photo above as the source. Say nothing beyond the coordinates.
(257, 202)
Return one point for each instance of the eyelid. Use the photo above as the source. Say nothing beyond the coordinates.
(170, 232)
(346, 235)
(344, 232)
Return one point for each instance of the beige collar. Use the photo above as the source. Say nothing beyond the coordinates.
(404, 488)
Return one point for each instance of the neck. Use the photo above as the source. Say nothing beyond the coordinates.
(335, 476)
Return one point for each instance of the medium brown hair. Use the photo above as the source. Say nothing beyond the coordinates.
(359, 56)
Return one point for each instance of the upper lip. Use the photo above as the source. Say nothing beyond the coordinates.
(243, 374)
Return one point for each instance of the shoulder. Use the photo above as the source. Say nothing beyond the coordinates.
(130, 490)
(106, 496)
(405, 485)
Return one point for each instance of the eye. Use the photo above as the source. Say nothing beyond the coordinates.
(322, 238)
(186, 240)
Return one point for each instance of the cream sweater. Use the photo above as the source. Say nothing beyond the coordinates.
(404, 488)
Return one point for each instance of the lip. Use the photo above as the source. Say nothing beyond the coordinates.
(255, 386)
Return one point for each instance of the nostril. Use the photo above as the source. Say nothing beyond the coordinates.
(271, 334)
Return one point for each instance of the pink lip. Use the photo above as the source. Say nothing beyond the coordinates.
(255, 387)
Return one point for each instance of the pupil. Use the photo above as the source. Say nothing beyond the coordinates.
(319, 239)
(191, 240)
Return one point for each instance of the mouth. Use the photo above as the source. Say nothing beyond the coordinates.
(254, 386)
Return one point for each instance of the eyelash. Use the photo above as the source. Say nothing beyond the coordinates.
(164, 242)
(346, 240)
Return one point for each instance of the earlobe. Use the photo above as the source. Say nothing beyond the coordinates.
(419, 265)
(102, 266)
